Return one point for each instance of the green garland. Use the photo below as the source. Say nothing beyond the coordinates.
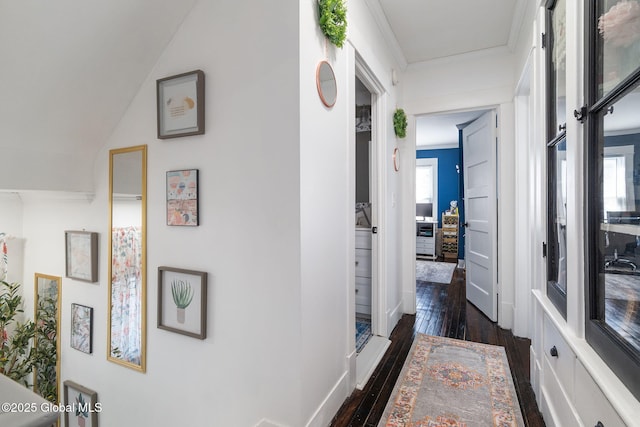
(333, 20)
(400, 123)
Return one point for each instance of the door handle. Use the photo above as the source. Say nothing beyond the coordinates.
(374, 230)
(466, 224)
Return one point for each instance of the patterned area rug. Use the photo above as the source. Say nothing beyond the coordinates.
(436, 272)
(453, 383)
(363, 332)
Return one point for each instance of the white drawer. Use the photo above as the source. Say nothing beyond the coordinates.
(363, 238)
(363, 263)
(563, 363)
(363, 308)
(591, 403)
(363, 288)
(557, 411)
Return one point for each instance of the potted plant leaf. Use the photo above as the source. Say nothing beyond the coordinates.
(81, 410)
(16, 351)
(182, 296)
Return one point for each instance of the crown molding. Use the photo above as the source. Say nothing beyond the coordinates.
(387, 32)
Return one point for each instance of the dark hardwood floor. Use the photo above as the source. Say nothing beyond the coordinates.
(442, 310)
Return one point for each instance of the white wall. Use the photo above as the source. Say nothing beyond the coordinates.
(327, 197)
(248, 368)
(276, 229)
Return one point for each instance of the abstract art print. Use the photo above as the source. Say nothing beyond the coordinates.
(182, 301)
(182, 197)
(82, 255)
(82, 328)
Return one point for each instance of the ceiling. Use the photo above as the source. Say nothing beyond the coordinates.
(70, 69)
(426, 30)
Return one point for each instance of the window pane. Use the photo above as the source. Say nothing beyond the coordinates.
(557, 226)
(618, 46)
(558, 63)
(619, 245)
(424, 184)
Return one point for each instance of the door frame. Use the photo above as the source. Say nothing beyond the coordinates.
(504, 170)
(377, 185)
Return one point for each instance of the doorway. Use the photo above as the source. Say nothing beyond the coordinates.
(364, 217)
(441, 137)
(370, 285)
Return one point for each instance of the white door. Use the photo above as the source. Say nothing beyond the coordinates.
(480, 209)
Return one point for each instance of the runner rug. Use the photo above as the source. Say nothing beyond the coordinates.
(453, 383)
(436, 272)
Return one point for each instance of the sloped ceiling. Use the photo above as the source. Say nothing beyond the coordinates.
(69, 70)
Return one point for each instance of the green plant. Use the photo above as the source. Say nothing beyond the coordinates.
(182, 293)
(400, 123)
(82, 410)
(16, 353)
(45, 354)
(333, 20)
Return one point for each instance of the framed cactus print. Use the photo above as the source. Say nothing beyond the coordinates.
(182, 301)
(81, 405)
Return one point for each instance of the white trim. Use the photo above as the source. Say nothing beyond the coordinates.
(443, 146)
(433, 162)
(329, 406)
(387, 32)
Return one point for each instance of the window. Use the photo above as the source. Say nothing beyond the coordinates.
(424, 184)
(612, 113)
(556, 156)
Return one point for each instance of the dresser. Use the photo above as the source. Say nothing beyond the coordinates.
(363, 270)
(426, 239)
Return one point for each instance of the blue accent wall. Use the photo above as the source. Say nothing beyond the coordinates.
(449, 181)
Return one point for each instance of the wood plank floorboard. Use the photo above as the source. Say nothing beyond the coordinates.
(441, 310)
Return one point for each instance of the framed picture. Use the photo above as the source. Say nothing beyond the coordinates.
(81, 255)
(182, 301)
(81, 405)
(82, 328)
(180, 102)
(182, 197)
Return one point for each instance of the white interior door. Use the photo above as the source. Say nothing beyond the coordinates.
(480, 207)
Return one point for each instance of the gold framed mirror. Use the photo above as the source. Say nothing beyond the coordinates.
(46, 341)
(127, 317)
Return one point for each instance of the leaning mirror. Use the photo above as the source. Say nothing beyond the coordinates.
(127, 253)
(46, 341)
(326, 84)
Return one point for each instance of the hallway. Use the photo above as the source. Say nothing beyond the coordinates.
(440, 310)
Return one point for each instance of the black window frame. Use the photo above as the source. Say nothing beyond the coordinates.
(556, 134)
(616, 352)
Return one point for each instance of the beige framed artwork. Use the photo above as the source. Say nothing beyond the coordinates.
(81, 249)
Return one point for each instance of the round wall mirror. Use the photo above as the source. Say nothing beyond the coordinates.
(326, 83)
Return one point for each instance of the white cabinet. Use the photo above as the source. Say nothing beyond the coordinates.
(569, 393)
(363, 270)
(426, 239)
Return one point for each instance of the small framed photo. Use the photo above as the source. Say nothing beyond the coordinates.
(82, 328)
(81, 405)
(182, 197)
(180, 100)
(182, 301)
(81, 255)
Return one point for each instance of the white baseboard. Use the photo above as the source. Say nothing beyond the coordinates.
(409, 302)
(329, 407)
(506, 315)
(394, 317)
